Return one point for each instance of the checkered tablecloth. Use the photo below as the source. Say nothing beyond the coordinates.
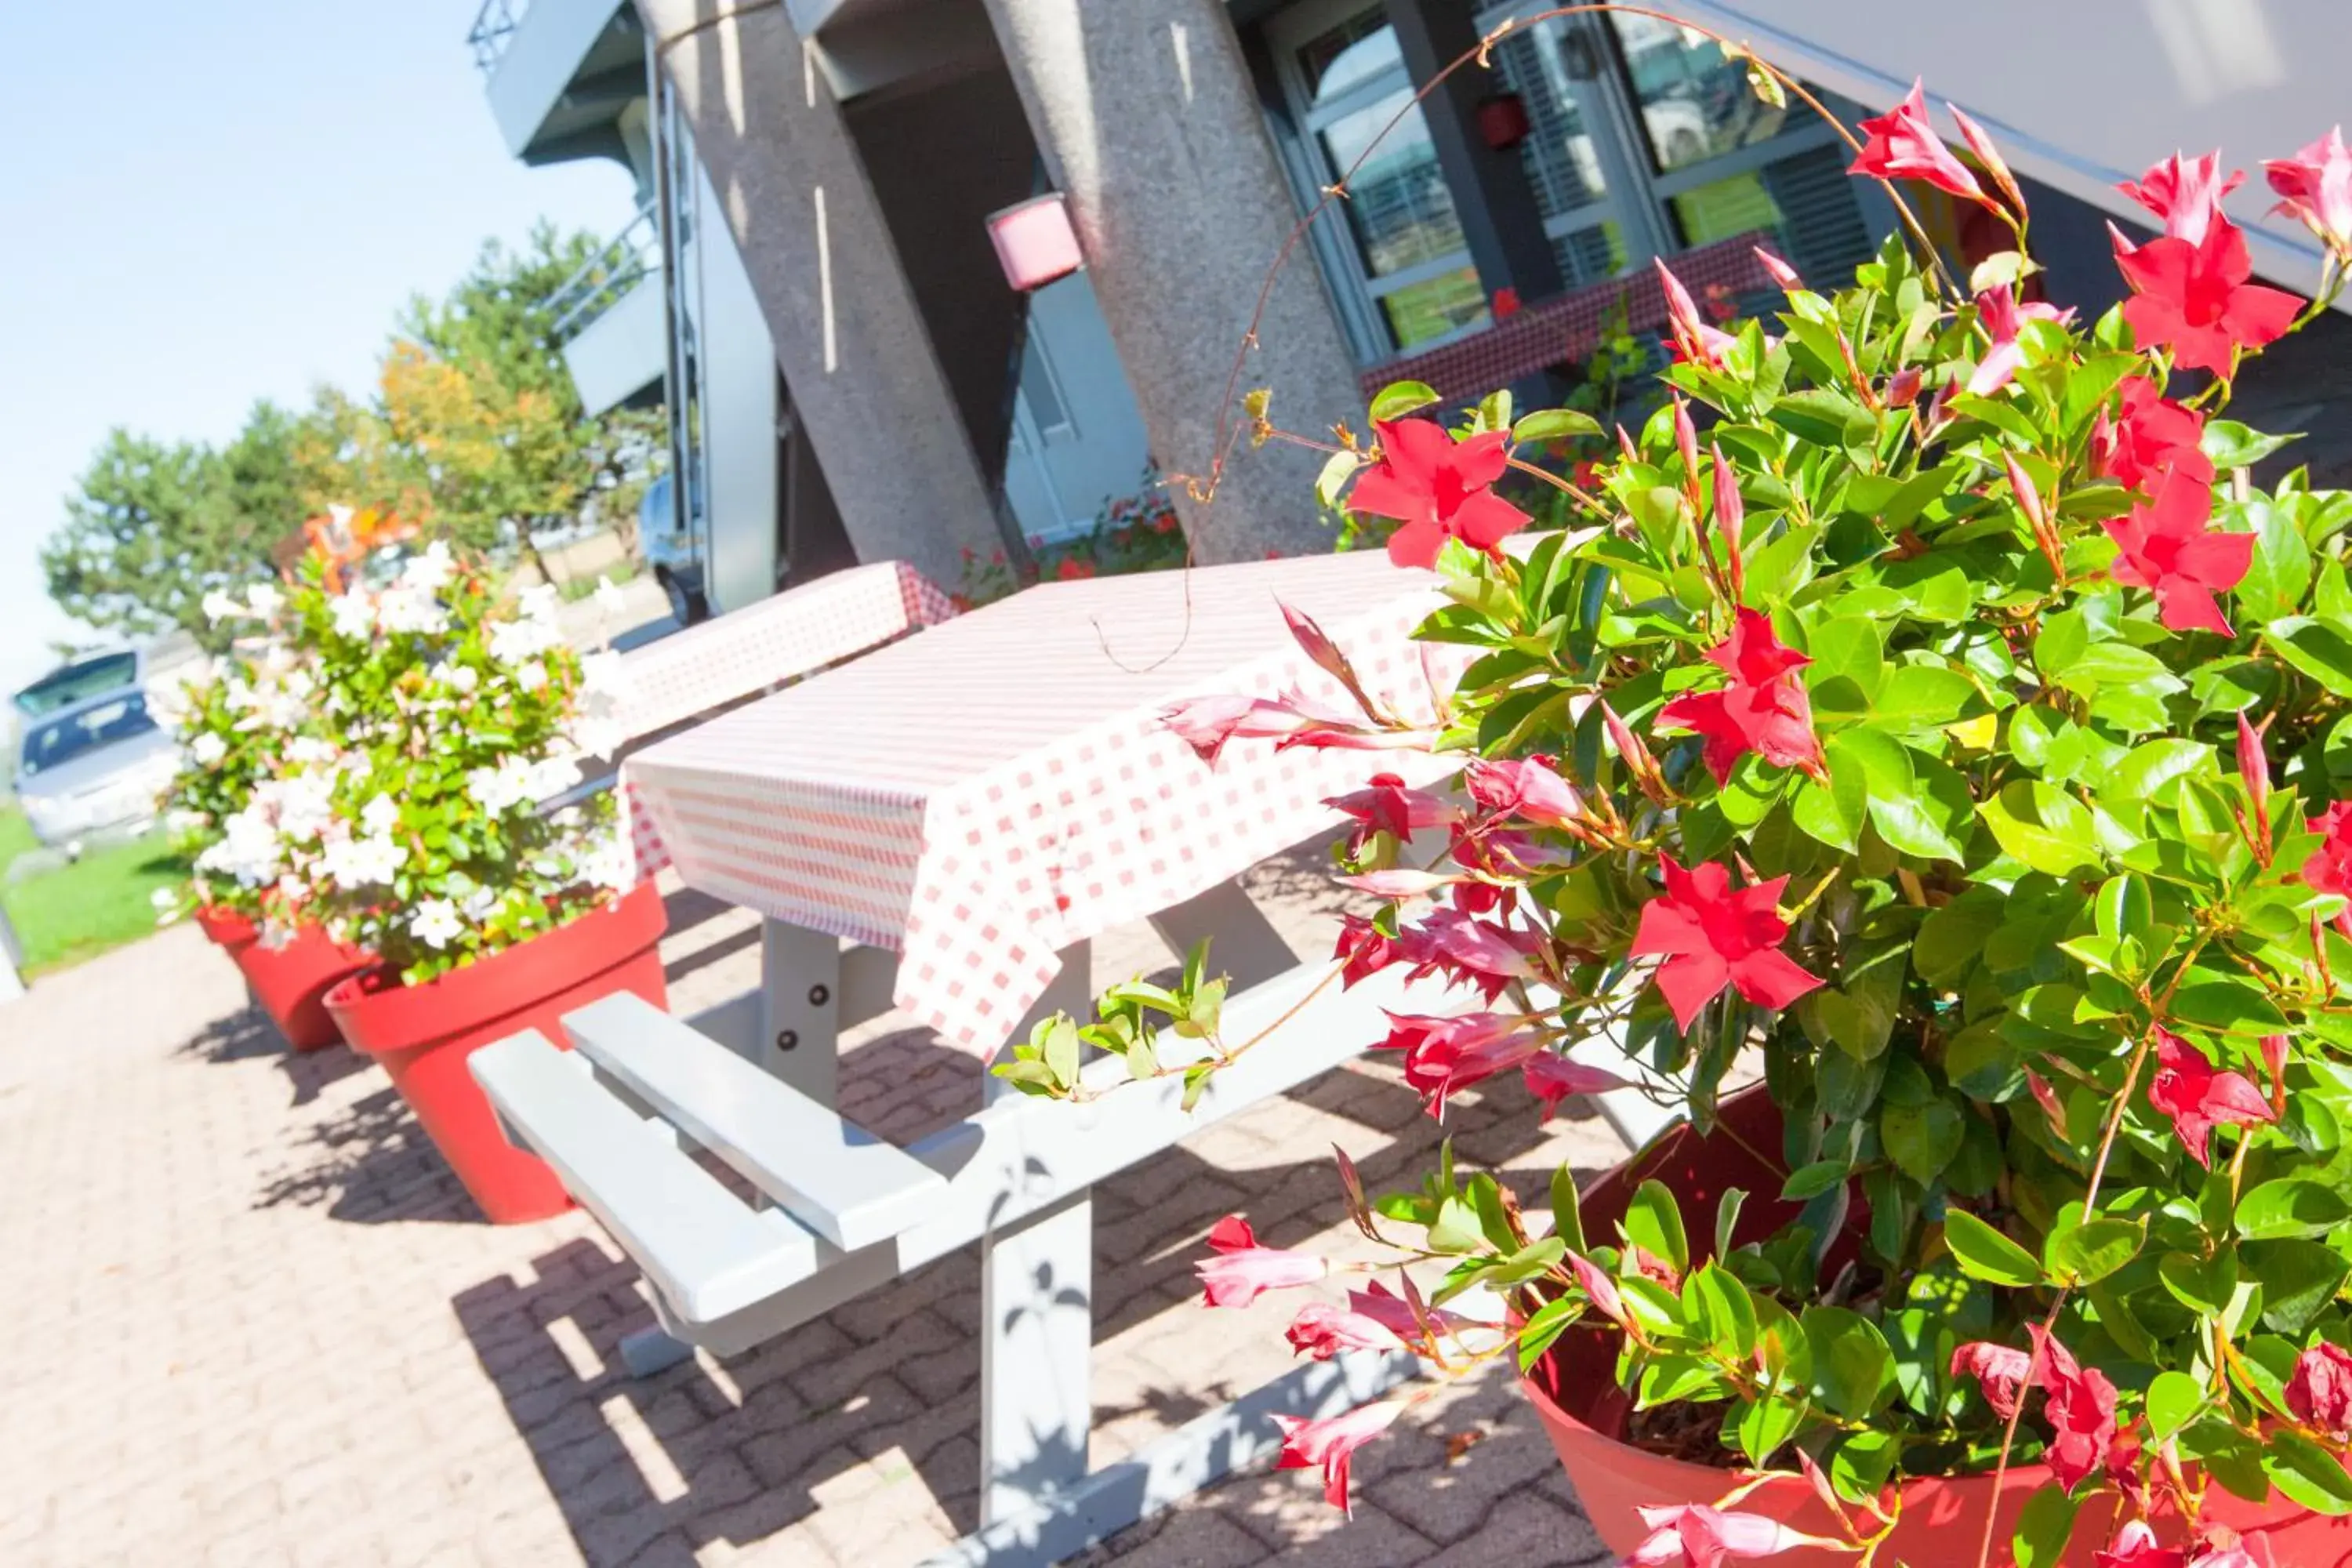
(981, 796)
(1566, 329)
(750, 649)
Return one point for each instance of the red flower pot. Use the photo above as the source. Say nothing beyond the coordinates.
(290, 982)
(1574, 1389)
(422, 1035)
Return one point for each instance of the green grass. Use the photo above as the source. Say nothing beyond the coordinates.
(78, 911)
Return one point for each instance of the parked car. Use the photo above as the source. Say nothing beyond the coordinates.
(76, 678)
(674, 554)
(98, 767)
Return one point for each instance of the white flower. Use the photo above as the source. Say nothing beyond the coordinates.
(220, 607)
(380, 816)
(540, 604)
(513, 783)
(604, 674)
(236, 695)
(282, 703)
(407, 609)
(514, 642)
(207, 749)
(304, 801)
(354, 614)
(247, 849)
(611, 861)
(180, 819)
(610, 599)
(532, 676)
(356, 863)
(598, 736)
(478, 904)
(308, 750)
(265, 598)
(436, 923)
(429, 573)
(164, 898)
(461, 679)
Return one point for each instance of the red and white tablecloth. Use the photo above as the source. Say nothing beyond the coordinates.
(747, 651)
(983, 795)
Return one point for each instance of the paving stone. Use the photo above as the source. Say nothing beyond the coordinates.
(273, 1330)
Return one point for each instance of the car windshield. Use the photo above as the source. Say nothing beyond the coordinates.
(62, 739)
(69, 685)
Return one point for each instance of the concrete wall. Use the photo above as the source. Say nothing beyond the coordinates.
(2084, 93)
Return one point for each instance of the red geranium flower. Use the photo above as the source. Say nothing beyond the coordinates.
(2193, 298)
(1904, 146)
(2185, 194)
(2317, 186)
(1439, 489)
(2152, 437)
(1712, 937)
(1765, 710)
(2198, 1096)
(2165, 546)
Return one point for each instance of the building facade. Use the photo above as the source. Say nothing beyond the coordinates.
(849, 374)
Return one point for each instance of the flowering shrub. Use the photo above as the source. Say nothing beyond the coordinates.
(382, 766)
(1135, 533)
(1929, 716)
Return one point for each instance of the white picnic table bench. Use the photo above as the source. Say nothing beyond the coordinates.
(942, 825)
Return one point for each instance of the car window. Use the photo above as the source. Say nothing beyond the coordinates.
(65, 687)
(62, 739)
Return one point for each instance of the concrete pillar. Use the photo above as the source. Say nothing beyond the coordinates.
(1150, 124)
(1500, 221)
(865, 379)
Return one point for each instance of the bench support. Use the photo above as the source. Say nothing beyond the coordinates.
(1037, 1330)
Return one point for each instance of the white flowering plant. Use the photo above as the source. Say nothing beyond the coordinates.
(403, 802)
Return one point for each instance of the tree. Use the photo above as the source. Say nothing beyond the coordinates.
(149, 530)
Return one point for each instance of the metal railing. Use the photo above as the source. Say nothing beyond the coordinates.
(494, 24)
(605, 278)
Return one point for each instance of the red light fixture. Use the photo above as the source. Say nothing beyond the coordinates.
(1034, 242)
(1503, 120)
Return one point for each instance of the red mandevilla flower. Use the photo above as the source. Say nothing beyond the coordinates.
(2153, 437)
(1693, 1535)
(1242, 1270)
(2165, 546)
(2003, 1373)
(2198, 1096)
(1387, 806)
(1329, 1444)
(2004, 319)
(2329, 868)
(1469, 950)
(2135, 1547)
(1712, 937)
(2193, 299)
(1528, 788)
(2185, 194)
(1442, 1055)
(1904, 146)
(2079, 1408)
(1439, 488)
(2317, 186)
(1552, 1078)
(1323, 1330)
(2319, 1391)
(1765, 710)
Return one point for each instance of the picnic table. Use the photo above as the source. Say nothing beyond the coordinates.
(942, 826)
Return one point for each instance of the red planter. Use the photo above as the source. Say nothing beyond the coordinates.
(290, 982)
(1575, 1392)
(422, 1035)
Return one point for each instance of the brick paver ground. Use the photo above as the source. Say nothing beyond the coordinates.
(252, 1320)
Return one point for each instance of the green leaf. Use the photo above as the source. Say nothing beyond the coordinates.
(2146, 769)
(1810, 1181)
(1060, 1049)
(1336, 470)
(1724, 1309)
(2288, 1208)
(1847, 650)
(1924, 694)
(2320, 650)
(2045, 828)
(2203, 1285)
(1456, 1227)
(1566, 1217)
(1823, 417)
(1983, 1253)
(2231, 445)
(2299, 1280)
(1555, 424)
(1834, 814)
(1921, 1139)
(2044, 1528)
(1654, 1225)
(1852, 1364)
(1765, 1426)
(2307, 1473)
(1399, 398)
(2173, 1399)
(2091, 1251)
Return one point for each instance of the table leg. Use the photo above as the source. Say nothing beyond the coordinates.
(1037, 1342)
(800, 981)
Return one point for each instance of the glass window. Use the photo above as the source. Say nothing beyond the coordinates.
(1359, 49)
(1591, 255)
(1694, 104)
(1542, 65)
(1444, 304)
(1398, 204)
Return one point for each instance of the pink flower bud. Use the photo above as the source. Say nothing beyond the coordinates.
(1780, 272)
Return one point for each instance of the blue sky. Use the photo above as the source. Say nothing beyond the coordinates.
(206, 205)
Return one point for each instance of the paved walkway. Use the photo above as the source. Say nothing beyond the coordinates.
(254, 1321)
